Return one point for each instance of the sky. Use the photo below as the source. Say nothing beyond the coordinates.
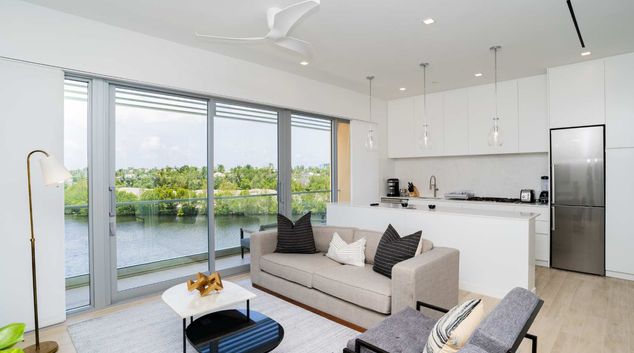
(147, 138)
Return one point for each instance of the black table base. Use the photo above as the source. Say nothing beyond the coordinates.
(233, 331)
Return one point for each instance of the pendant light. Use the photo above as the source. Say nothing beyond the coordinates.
(370, 141)
(423, 140)
(495, 137)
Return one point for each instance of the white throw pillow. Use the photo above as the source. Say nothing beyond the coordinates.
(347, 254)
(452, 331)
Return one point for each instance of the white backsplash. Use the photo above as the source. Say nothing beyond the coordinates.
(491, 175)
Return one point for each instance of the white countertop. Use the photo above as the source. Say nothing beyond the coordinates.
(447, 210)
(466, 202)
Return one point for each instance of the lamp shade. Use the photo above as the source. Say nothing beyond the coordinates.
(53, 172)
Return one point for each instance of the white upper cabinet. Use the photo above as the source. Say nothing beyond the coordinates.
(481, 112)
(576, 94)
(533, 114)
(456, 108)
(401, 136)
(619, 101)
(434, 119)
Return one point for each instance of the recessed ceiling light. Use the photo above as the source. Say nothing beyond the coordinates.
(586, 53)
(303, 63)
(428, 21)
(402, 89)
(479, 74)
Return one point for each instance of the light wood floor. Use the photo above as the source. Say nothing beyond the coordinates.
(581, 313)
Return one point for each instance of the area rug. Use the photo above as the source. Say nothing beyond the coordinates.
(154, 327)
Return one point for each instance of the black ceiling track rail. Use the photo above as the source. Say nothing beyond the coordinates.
(574, 20)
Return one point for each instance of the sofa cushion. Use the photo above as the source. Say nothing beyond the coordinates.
(501, 328)
(295, 238)
(403, 332)
(357, 285)
(323, 236)
(372, 242)
(298, 268)
(393, 249)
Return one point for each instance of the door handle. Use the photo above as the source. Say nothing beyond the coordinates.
(552, 219)
(113, 202)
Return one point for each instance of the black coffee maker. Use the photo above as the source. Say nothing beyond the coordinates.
(393, 188)
(543, 196)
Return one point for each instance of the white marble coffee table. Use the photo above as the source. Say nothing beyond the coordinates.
(189, 304)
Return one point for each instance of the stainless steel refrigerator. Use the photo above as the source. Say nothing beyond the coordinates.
(577, 239)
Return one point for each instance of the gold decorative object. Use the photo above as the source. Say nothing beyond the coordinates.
(205, 284)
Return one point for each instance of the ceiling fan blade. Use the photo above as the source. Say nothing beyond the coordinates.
(282, 20)
(296, 45)
(230, 39)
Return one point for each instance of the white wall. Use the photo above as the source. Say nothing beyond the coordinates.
(31, 117)
(489, 175)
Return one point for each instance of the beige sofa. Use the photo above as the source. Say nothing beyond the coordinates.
(357, 295)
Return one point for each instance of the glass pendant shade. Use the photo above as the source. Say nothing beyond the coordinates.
(370, 140)
(424, 142)
(495, 137)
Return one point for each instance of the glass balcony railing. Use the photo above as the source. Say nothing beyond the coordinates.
(161, 235)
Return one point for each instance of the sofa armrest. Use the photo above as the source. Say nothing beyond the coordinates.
(262, 243)
(431, 277)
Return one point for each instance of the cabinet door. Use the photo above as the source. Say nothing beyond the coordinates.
(434, 119)
(619, 101)
(532, 114)
(481, 113)
(619, 237)
(576, 94)
(400, 133)
(456, 107)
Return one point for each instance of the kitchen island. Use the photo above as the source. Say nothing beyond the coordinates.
(496, 247)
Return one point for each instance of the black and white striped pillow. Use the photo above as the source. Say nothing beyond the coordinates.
(393, 249)
(295, 238)
(441, 332)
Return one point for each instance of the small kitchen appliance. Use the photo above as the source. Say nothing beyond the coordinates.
(393, 187)
(543, 195)
(527, 196)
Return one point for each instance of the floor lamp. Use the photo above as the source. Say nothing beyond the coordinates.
(53, 173)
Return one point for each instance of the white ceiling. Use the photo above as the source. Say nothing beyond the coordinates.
(354, 38)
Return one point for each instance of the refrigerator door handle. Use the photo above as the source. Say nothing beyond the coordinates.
(552, 219)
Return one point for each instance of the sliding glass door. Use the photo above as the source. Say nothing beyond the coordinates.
(159, 186)
(311, 166)
(76, 217)
(245, 178)
(167, 184)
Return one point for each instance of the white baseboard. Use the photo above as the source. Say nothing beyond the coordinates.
(542, 263)
(620, 275)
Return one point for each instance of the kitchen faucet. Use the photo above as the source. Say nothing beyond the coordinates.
(432, 184)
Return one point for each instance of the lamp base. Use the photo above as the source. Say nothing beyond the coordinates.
(45, 347)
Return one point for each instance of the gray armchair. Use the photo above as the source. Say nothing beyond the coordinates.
(501, 331)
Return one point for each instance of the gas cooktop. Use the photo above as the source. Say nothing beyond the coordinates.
(494, 199)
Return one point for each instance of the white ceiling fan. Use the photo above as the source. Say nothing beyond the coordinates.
(280, 22)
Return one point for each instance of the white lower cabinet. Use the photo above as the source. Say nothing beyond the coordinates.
(619, 233)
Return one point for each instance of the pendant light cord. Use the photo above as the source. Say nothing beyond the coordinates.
(495, 76)
(424, 66)
(370, 78)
